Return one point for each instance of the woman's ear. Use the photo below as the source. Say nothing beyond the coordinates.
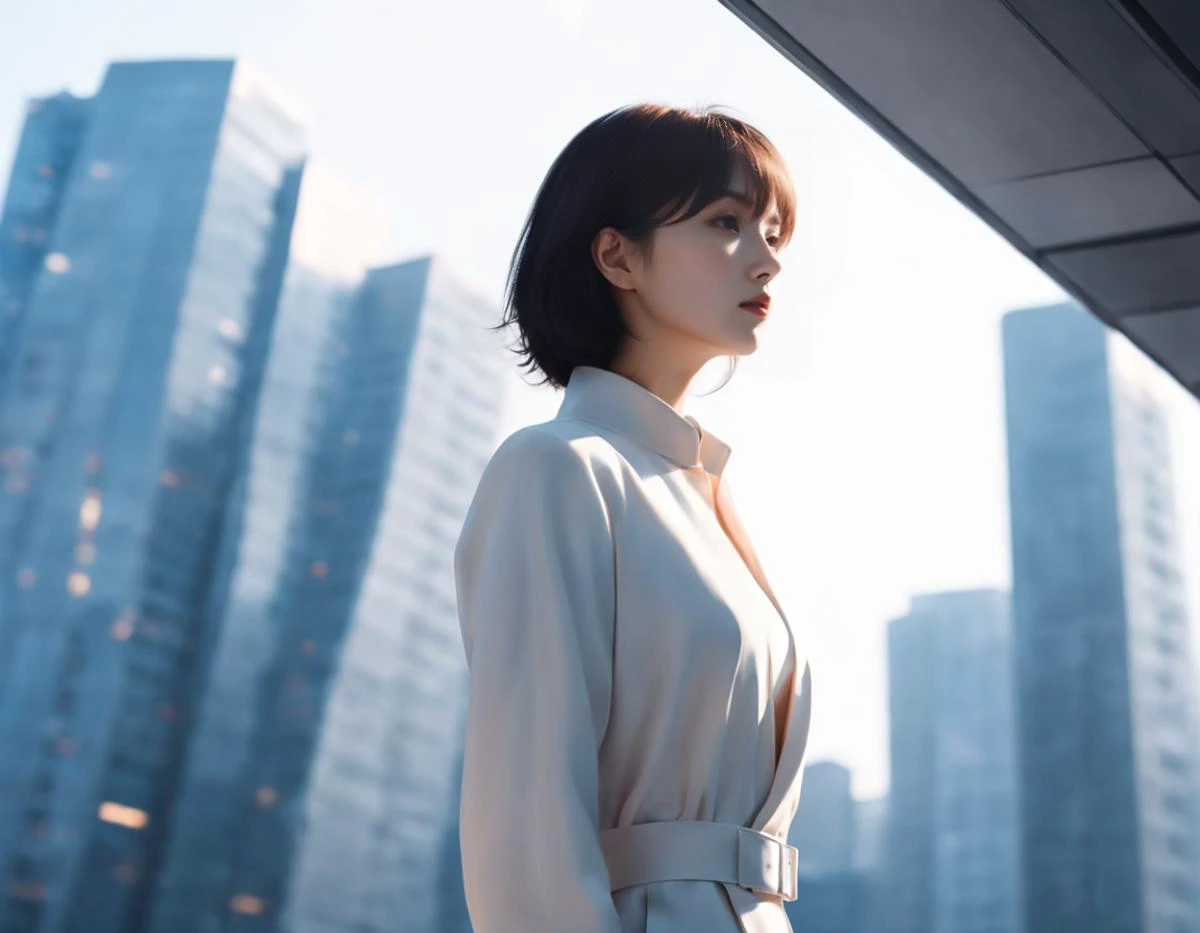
(615, 255)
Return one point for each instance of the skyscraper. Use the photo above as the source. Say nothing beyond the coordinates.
(45, 158)
(823, 829)
(1104, 669)
(950, 843)
(323, 774)
(141, 352)
(831, 897)
(336, 234)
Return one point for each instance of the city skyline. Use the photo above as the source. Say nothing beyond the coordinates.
(885, 460)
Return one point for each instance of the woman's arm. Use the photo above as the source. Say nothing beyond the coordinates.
(536, 602)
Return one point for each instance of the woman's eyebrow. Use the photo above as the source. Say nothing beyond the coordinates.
(748, 202)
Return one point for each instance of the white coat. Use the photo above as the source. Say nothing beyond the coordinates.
(629, 665)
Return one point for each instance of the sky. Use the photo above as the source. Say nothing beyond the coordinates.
(867, 429)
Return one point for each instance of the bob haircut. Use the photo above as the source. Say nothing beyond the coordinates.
(636, 168)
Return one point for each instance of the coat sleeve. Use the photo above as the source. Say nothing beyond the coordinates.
(535, 584)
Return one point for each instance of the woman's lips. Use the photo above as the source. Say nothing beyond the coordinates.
(757, 309)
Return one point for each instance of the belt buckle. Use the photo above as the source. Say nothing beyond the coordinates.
(767, 865)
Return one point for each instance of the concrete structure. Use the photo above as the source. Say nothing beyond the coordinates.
(1071, 127)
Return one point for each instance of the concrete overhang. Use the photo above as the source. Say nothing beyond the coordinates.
(1072, 127)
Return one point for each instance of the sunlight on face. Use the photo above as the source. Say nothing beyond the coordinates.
(700, 271)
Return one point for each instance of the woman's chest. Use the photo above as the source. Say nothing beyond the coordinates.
(687, 599)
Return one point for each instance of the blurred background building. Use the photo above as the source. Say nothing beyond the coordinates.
(951, 847)
(1104, 662)
(838, 839)
(236, 448)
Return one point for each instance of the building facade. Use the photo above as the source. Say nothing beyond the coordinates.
(1105, 669)
(139, 362)
(950, 844)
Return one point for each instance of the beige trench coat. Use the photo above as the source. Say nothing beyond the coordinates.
(628, 664)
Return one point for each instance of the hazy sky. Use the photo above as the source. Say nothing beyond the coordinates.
(867, 430)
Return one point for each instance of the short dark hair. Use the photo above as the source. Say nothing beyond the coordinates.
(636, 168)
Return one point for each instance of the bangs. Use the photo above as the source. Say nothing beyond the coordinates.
(699, 156)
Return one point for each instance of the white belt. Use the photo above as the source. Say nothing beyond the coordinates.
(699, 850)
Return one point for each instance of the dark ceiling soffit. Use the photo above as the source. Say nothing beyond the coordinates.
(787, 45)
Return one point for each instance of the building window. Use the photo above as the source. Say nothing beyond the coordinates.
(57, 263)
(79, 583)
(350, 438)
(26, 891)
(318, 568)
(121, 815)
(216, 375)
(266, 797)
(46, 170)
(122, 629)
(247, 904)
(169, 477)
(100, 170)
(89, 512)
(229, 328)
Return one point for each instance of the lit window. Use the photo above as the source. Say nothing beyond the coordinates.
(46, 171)
(57, 262)
(217, 375)
(267, 797)
(85, 552)
(247, 904)
(318, 568)
(121, 815)
(26, 891)
(26, 577)
(101, 169)
(169, 477)
(122, 629)
(89, 512)
(350, 438)
(79, 583)
(228, 327)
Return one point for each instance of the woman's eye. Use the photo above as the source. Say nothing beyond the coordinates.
(730, 218)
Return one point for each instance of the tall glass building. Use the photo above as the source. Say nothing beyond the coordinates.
(323, 771)
(1105, 672)
(337, 233)
(138, 367)
(823, 829)
(950, 845)
(50, 141)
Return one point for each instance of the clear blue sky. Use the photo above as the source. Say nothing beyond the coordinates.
(867, 430)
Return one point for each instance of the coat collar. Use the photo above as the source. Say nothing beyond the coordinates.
(608, 399)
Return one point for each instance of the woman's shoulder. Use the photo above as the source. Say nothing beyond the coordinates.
(559, 446)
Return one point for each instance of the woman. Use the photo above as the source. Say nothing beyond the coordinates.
(639, 704)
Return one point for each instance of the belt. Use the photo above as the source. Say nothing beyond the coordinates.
(699, 850)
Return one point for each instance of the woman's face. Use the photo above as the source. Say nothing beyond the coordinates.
(687, 290)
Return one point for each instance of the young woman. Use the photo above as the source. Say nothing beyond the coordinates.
(639, 704)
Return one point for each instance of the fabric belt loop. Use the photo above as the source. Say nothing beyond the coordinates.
(700, 850)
